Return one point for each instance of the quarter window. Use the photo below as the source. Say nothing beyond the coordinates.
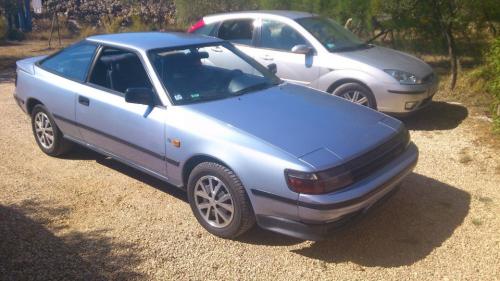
(279, 36)
(72, 62)
(237, 31)
(119, 70)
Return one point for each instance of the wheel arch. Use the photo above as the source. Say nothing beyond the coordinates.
(344, 81)
(31, 103)
(192, 162)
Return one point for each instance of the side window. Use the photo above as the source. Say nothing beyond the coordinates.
(237, 31)
(72, 62)
(119, 70)
(279, 36)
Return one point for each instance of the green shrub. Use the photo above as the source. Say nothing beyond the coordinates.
(492, 72)
(112, 25)
(3, 28)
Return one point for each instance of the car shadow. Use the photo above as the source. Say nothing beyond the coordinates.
(30, 251)
(81, 153)
(437, 116)
(421, 216)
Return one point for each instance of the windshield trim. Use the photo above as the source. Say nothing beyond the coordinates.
(275, 80)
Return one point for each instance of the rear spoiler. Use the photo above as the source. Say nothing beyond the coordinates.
(28, 65)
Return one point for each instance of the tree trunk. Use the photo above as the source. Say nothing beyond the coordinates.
(452, 55)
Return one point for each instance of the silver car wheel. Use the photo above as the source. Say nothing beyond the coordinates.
(44, 131)
(356, 97)
(213, 201)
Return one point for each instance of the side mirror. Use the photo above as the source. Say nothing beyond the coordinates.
(302, 49)
(273, 68)
(140, 96)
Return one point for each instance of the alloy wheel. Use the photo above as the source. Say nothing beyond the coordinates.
(44, 130)
(356, 97)
(213, 201)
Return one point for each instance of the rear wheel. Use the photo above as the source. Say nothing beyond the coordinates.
(219, 200)
(356, 93)
(47, 135)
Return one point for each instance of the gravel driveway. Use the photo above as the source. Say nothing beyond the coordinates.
(87, 217)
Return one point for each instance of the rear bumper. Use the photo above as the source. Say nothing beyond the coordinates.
(20, 102)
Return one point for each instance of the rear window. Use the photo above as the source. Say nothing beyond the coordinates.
(205, 30)
(72, 62)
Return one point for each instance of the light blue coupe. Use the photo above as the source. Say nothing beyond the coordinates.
(199, 114)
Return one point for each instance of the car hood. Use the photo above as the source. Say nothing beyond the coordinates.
(320, 129)
(385, 58)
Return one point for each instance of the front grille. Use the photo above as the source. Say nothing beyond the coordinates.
(368, 163)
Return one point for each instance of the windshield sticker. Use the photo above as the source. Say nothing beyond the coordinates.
(330, 45)
(195, 96)
(178, 97)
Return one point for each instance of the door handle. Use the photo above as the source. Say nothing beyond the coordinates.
(83, 100)
(217, 49)
(267, 57)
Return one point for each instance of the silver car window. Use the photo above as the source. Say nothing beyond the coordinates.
(332, 35)
(72, 62)
(237, 31)
(279, 36)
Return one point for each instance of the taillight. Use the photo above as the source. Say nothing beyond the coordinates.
(318, 183)
(196, 26)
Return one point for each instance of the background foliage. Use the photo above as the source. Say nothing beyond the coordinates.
(459, 33)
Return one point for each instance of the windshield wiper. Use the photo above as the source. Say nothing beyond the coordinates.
(252, 88)
(203, 98)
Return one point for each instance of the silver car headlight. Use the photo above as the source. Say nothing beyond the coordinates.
(403, 77)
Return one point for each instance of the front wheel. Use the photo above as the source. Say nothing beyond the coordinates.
(356, 93)
(219, 201)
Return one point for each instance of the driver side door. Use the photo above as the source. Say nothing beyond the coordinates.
(131, 132)
(275, 45)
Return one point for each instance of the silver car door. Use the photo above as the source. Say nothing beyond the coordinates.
(275, 46)
(132, 132)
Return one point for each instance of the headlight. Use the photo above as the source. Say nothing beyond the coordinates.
(403, 77)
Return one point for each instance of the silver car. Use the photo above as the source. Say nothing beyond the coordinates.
(319, 53)
(197, 113)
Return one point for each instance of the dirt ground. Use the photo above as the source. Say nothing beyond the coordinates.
(87, 217)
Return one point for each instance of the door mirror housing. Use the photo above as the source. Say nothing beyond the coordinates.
(273, 68)
(140, 96)
(302, 49)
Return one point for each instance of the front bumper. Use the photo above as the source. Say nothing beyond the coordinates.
(318, 215)
(404, 100)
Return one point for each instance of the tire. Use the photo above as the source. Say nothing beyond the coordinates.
(212, 218)
(56, 144)
(348, 91)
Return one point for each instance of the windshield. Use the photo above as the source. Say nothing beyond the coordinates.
(332, 35)
(208, 72)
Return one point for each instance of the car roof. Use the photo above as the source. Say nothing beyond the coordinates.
(152, 40)
(282, 13)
